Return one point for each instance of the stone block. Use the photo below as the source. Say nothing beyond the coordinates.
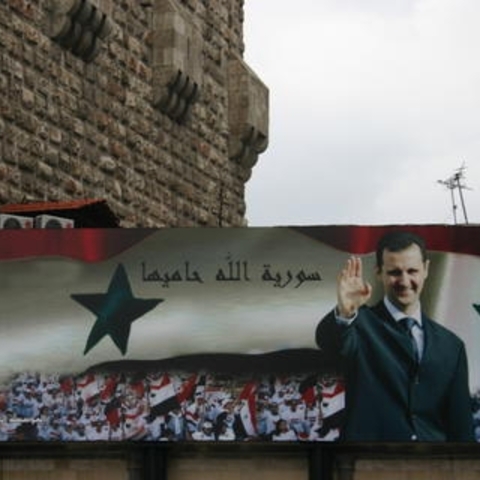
(78, 26)
(177, 60)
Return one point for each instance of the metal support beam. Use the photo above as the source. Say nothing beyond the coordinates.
(321, 463)
(154, 463)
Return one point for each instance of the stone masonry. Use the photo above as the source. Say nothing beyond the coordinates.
(145, 103)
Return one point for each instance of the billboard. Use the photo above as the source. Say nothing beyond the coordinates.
(213, 334)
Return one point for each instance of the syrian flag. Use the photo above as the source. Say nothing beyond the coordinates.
(192, 417)
(248, 409)
(162, 396)
(113, 412)
(194, 387)
(137, 386)
(187, 390)
(109, 388)
(200, 387)
(87, 388)
(333, 398)
(135, 428)
(67, 385)
(80, 298)
(308, 391)
(133, 412)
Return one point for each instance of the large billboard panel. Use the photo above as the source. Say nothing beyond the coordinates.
(213, 335)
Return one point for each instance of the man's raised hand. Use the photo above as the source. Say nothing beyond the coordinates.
(352, 290)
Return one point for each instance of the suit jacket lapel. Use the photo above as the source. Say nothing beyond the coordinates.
(429, 335)
(395, 332)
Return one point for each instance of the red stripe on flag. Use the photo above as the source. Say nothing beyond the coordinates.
(188, 388)
(94, 245)
(363, 239)
(248, 410)
(88, 245)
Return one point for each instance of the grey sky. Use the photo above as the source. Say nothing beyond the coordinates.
(371, 103)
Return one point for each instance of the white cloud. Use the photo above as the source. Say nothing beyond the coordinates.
(369, 108)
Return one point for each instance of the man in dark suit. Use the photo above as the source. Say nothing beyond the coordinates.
(407, 380)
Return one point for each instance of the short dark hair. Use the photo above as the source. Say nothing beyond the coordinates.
(398, 240)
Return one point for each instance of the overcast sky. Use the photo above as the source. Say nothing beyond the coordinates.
(371, 103)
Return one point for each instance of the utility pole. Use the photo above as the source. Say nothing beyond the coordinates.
(455, 183)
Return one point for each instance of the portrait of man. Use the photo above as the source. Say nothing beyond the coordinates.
(406, 375)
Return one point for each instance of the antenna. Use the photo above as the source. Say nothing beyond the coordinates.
(455, 183)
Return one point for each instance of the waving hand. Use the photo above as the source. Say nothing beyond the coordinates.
(352, 290)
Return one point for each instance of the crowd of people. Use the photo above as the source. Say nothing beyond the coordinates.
(175, 407)
(163, 406)
(476, 414)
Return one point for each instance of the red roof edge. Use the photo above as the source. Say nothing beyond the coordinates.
(47, 206)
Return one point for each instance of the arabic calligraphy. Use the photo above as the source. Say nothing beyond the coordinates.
(165, 278)
(232, 271)
(235, 272)
(281, 281)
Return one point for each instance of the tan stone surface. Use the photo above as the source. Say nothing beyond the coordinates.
(417, 469)
(267, 467)
(46, 469)
(73, 129)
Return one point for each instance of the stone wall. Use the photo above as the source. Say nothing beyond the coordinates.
(63, 468)
(146, 103)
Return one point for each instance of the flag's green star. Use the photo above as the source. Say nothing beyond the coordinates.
(115, 310)
(476, 306)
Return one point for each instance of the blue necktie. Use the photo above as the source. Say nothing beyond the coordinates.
(407, 323)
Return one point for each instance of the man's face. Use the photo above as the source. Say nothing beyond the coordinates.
(403, 275)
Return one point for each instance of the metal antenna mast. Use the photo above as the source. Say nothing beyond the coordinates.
(455, 183)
